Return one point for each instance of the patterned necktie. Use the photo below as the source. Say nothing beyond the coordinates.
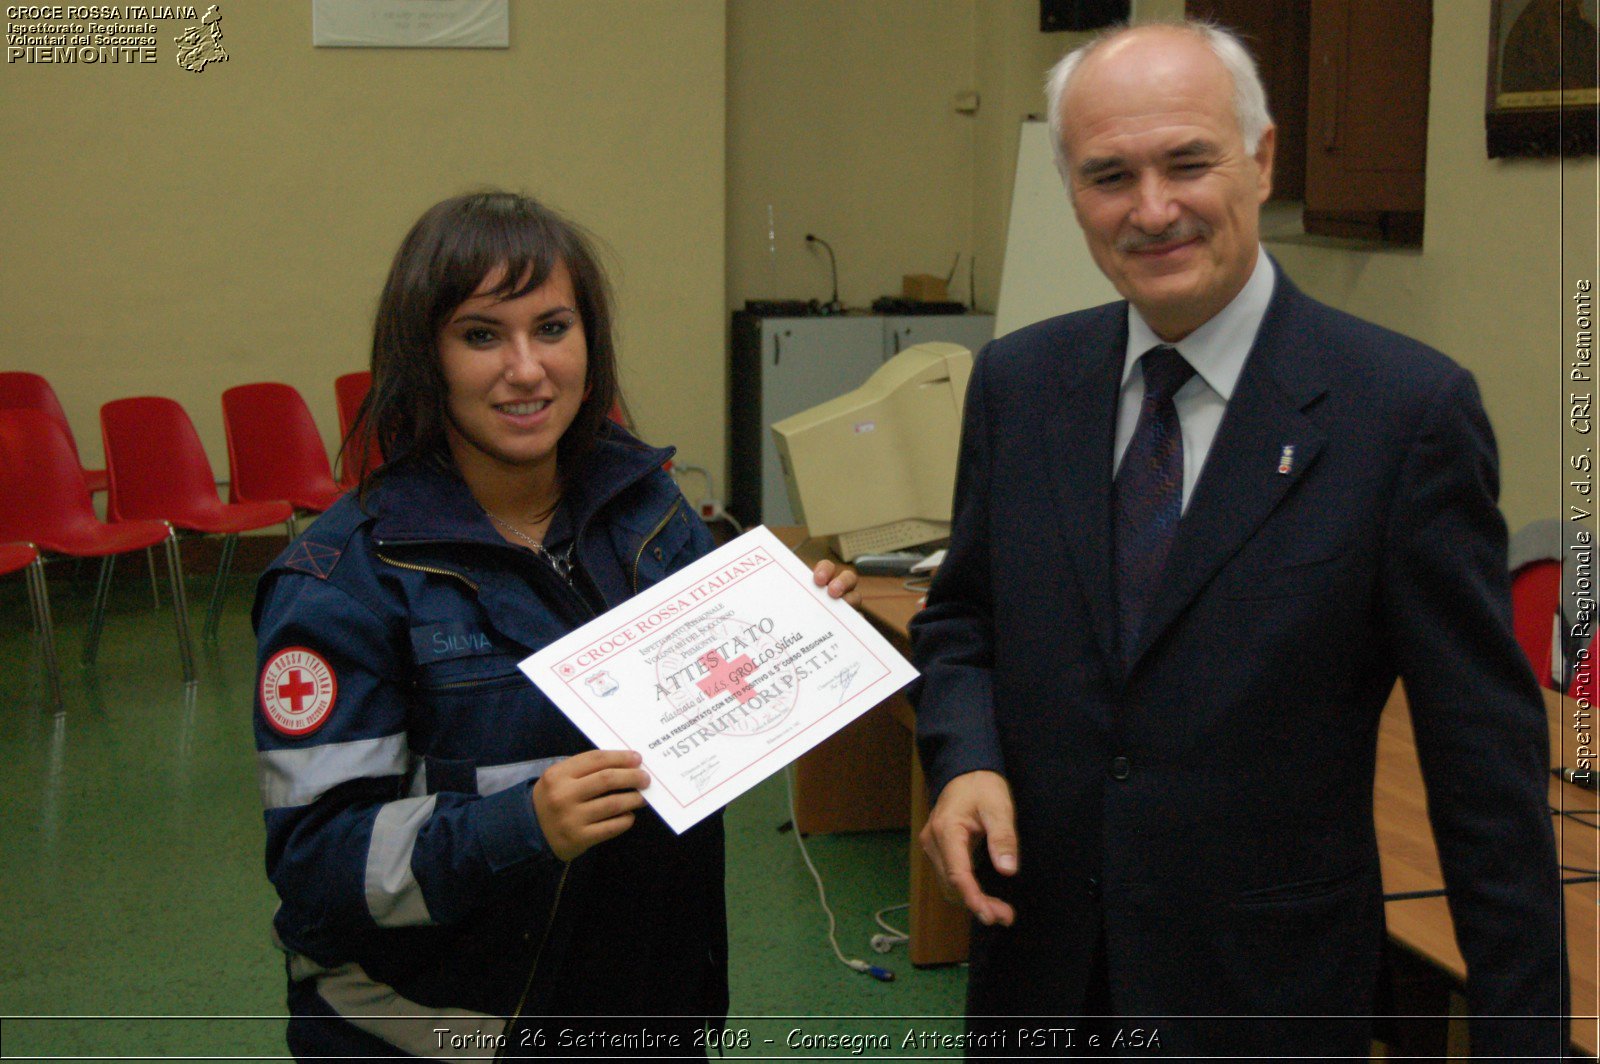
(1147, 498)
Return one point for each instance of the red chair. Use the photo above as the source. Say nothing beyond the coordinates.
(46, 505)
(1535, 563)
(356, 459)
(348, 391)
(159, 471)
(22, 557)
(274, 451)
(29, 391)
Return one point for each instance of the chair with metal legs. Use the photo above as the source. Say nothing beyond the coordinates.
(43, 501)
(29, 391)
(24, 558)
(159, 471)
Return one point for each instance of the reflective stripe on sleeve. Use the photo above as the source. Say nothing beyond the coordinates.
(495, 778)
(300, 776)
(394, 898)
(374, 1007)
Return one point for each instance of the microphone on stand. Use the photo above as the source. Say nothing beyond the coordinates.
(833, 306)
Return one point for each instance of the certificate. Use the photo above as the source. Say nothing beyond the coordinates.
(720, 675)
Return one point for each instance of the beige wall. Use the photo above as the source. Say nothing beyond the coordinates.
(1504, 242)
(1013, 57)
(174, 233)
(841, 116)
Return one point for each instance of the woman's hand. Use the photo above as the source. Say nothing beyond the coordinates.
(588, 798)
(841, 583)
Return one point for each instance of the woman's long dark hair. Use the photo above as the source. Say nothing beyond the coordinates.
(453, 247)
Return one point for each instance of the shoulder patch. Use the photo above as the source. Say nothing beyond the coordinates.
(297, 691)
(317, 559)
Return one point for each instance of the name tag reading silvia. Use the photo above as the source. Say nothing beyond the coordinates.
(720, 675)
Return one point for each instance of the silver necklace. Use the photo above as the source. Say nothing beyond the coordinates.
(533, 544)
(562, 563)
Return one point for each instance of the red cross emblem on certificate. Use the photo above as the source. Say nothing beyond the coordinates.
(731, 676)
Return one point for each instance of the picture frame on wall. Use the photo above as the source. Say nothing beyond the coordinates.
(1543, 86)
(410, 24)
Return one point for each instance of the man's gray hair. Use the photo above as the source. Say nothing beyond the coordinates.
(1249, 98)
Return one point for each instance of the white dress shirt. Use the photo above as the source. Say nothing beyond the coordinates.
(1217, 351)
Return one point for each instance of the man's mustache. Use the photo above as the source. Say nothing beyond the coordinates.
(1178, 232)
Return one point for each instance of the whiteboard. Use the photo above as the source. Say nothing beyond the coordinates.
(1047, 269)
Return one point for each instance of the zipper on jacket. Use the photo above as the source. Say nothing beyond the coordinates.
(433, 569)
(533, 970)
(654, 532)
(540, 562)
(565, 586)
(578, 571)
(472, 683)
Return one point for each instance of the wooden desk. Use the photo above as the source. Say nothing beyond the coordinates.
(860, 779)
(1411, 861)
(856, 780)
(1405, 839)
(939, 928)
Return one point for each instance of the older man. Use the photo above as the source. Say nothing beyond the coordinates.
(1198, 535)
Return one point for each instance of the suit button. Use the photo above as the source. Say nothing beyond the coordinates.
(1119, 768)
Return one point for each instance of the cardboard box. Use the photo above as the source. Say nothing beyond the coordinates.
(924, 287)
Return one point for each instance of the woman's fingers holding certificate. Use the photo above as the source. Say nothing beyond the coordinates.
(588, 798)
(841, 583)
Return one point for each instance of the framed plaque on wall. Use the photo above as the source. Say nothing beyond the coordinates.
(1543, 92)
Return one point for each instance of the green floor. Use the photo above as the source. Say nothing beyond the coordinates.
(134, 908)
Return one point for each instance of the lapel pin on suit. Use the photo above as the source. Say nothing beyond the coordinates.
(1286, 460)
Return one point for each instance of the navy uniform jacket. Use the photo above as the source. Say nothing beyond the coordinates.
(414, 878)
(1210, 806)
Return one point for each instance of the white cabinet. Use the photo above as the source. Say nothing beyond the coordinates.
(971, 331)
(781, 366)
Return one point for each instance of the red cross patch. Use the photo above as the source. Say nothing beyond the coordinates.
(297, 691)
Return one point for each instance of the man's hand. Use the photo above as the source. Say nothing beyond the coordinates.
(588, 798)
(841, 583)
(973, 806)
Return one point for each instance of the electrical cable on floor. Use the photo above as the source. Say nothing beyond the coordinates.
(1578, 815)
(1582, 875)
(892, 935)
(1414, 895)
(883, 975)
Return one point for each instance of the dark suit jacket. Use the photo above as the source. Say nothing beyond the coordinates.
(1210, 805)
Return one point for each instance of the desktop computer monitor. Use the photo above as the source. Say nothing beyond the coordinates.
(876, 467)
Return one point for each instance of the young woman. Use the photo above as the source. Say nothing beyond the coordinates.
(461, 873)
